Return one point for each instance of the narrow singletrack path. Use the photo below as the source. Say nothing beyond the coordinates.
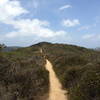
(56, 92)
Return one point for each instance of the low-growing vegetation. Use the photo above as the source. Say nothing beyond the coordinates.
(77, 68)
(23, 75)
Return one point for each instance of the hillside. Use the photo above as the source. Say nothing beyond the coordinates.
(10, 48)
(24, 77)
(78, 69)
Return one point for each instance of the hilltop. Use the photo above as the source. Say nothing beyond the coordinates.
(24, 77)
(78, 69)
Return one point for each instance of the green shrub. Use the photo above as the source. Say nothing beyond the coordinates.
(77, 68)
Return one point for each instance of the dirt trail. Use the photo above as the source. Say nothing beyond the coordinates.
(56, 92)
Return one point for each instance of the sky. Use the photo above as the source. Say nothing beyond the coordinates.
(26, 22)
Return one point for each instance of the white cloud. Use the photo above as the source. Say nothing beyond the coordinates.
(84, 28)
(35, 4)
(91, 37)
(27, 27)
(70, 23)
(88, 36)
(97, 19)
(65, 7)
(10, 9)
(87, 27)
(91, 40)
(24, 27)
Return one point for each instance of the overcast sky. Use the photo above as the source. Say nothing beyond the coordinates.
(25, 22)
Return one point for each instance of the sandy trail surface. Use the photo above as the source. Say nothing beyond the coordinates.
(56, 92)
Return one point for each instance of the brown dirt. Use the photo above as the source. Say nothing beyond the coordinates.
(56, 92)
